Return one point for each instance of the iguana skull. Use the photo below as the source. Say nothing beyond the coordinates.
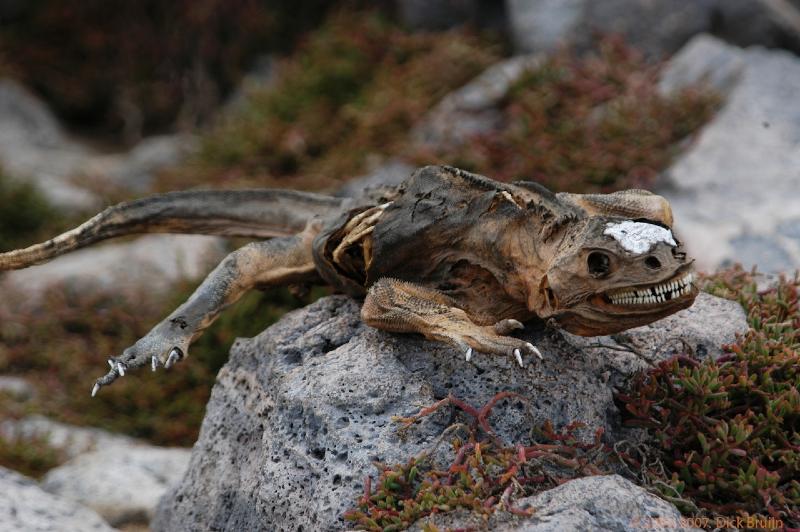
(611, 274)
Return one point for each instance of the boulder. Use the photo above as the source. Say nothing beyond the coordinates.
(69, 440)
(25, 506)
(155, 261)
(117, 476)
(122, 484)
(16, 387)
(34, 147)
(136, 169)
(474, 108)
(656, 27)
(734, 190)
(299, 413)
(609, 503)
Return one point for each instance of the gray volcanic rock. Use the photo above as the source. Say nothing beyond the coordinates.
(24, 506)
(34, 147)
(656, 27)
(474, 108)
(119, 477)
(69, 440)
(136, 169)
(734, 191)
(299, 413)
(16, 387)
(609, 503)
(123, 484)
(152, 261)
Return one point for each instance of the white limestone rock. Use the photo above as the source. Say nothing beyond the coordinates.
(735, 191)
(25, 506)
(123, 485)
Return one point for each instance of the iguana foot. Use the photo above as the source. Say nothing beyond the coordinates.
(400, 306)
(165, 345)
(493, 340)
(273, 262)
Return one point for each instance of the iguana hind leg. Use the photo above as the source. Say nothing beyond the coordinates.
(399, 306)
(279, 261)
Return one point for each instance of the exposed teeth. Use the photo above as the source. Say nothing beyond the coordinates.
(656, 294)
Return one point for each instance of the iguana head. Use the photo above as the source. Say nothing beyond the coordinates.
(610, 274)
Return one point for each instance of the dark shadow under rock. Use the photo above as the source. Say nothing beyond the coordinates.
(300, 413)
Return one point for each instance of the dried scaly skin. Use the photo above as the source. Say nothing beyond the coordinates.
(455, 256)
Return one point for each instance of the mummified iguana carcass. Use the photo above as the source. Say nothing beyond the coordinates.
(454, 256)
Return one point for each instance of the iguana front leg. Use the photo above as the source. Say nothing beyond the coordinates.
(399, 306)
(279, 261)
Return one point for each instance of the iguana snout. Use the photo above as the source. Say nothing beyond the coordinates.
(612, 274)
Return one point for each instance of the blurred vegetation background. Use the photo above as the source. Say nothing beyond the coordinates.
(125, 69)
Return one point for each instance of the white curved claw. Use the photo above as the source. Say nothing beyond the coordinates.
(469, 354)
(95, 389)
(516, 323)
(535, 350)
(111, 363)
(173, 357)
(518, 356)
(121, 369)
(153, 363)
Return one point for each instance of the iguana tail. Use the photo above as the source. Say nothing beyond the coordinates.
(259, 213)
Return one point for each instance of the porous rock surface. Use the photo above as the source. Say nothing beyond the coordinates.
(299, 413)
(25, 506)
(609, 503)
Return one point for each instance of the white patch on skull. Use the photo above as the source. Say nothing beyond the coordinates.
(639, 237)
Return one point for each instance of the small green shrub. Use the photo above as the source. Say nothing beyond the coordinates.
(24, 214)
(351, 91)
(61, 346)
(30, 456)
(728, 431)
(726, 435)
(134, 66)
(585, 124)
(485, 475)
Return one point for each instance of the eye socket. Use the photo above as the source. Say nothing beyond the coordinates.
(599, 264)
